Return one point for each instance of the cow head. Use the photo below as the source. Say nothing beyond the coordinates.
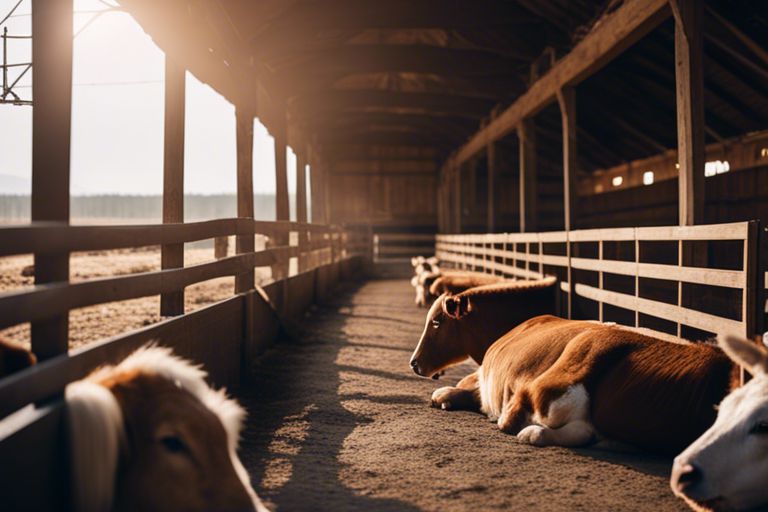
(727, 467)
(444, 341)
(150, 434)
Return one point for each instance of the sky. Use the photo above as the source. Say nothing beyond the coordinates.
(117, 115)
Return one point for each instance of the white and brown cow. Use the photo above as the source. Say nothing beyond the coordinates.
(149, 434)
(561, 382)
(727, 467)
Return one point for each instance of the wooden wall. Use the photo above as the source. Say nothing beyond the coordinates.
(733, 196)
(390, 201)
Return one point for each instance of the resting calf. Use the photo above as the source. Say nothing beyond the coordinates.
(561, 382)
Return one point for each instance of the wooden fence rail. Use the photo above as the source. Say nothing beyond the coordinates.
(531, 255)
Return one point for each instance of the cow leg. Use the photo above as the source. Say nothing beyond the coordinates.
(575, 433)
(465, 396)
(515, 414)
(561, 415)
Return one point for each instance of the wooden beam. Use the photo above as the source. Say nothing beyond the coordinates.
(689, 86)
(301, 202)
(172, 255)
(330, 103)
(616, 32)
(282, 205)
(51, 133)
(457, 203)
(747, 41)
(315, 184)
(329, 65)
(526, 134)
(244, 243)
(566, 98)
(493, 171)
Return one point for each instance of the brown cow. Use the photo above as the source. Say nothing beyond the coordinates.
(561, 382)
(150, 434)
(429, 285)
(14, 357)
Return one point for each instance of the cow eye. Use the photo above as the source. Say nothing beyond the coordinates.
(435, 323)
(173, 444)
(760, 428)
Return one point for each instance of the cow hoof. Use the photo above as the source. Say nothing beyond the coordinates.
(532, 434)
(440, 398)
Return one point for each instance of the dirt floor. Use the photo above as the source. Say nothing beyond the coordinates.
(339, 422)
(101, 321)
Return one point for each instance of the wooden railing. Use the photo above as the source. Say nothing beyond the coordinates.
(531, 255)
(311, 246)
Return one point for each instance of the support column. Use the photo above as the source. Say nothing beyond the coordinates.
(244, 243)
(172, 255)
(51, 133)
(457, 198)
(492, 174)
(566, 97)
(301, 204)
(526, 134)
(690, 109)
(317, 184)
(282, 207)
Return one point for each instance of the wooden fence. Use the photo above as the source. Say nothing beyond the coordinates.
(226, 336)
(720, 257)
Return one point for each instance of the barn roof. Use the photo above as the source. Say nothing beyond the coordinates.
(429, 73)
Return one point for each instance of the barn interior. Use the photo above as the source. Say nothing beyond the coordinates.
(621, 145)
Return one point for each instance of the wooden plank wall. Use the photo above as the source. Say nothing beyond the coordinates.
(734, 196)
(391, 200)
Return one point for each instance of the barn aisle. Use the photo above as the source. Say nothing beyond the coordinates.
(338, 422)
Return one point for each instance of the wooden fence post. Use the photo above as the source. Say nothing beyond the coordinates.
(51, 129)
(526, 134)
(301, 205)
(689, 86)
(566, 97)
(244, 243)
(172, 255)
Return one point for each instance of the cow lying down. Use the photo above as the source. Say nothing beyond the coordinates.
(727, 467)
(429, 285)
(569, 383)
(149, 434)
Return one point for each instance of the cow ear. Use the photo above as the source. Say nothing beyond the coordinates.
(745, 353)
(456, 306)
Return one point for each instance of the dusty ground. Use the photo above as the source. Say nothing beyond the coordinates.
(338, 422)
(94, 323)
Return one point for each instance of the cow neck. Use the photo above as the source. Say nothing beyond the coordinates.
(481, 329)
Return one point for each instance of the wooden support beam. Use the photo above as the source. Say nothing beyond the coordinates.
(616, 32)
(301, 202)
(491, 192)
(457, 203)
(317, 185)
(51, 131)
(172, 255)
(566, 98)
(244, 243)
(282, 206)
(526, 134)
(689, 85)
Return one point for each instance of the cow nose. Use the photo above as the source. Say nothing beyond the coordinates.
(684, 476)
(415, 367)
